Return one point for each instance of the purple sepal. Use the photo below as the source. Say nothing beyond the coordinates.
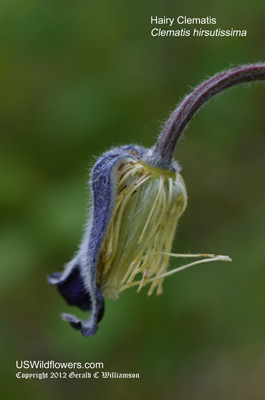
(88, 327)
(71, 287)
(77, 283)
(140, 152)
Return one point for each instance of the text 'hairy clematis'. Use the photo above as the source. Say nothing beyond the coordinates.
(138, 198)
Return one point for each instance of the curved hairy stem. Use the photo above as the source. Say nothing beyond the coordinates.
(179, 119)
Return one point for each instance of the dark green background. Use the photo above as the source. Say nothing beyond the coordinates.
(78, 77)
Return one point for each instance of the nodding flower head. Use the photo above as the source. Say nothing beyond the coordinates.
(138, 198)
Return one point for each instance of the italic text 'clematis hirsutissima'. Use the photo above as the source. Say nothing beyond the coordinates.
(138, 198)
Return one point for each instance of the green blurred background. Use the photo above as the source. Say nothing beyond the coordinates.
(78, 77)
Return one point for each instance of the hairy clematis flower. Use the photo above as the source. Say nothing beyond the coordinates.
(138, 198)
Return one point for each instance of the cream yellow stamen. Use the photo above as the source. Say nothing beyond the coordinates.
(173, 271)
(139, 238)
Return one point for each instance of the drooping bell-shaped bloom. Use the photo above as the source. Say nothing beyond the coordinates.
(138, 198)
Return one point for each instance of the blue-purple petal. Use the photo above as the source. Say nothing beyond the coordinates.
(71, 287)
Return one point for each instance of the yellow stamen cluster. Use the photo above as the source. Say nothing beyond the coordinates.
(139, 238)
